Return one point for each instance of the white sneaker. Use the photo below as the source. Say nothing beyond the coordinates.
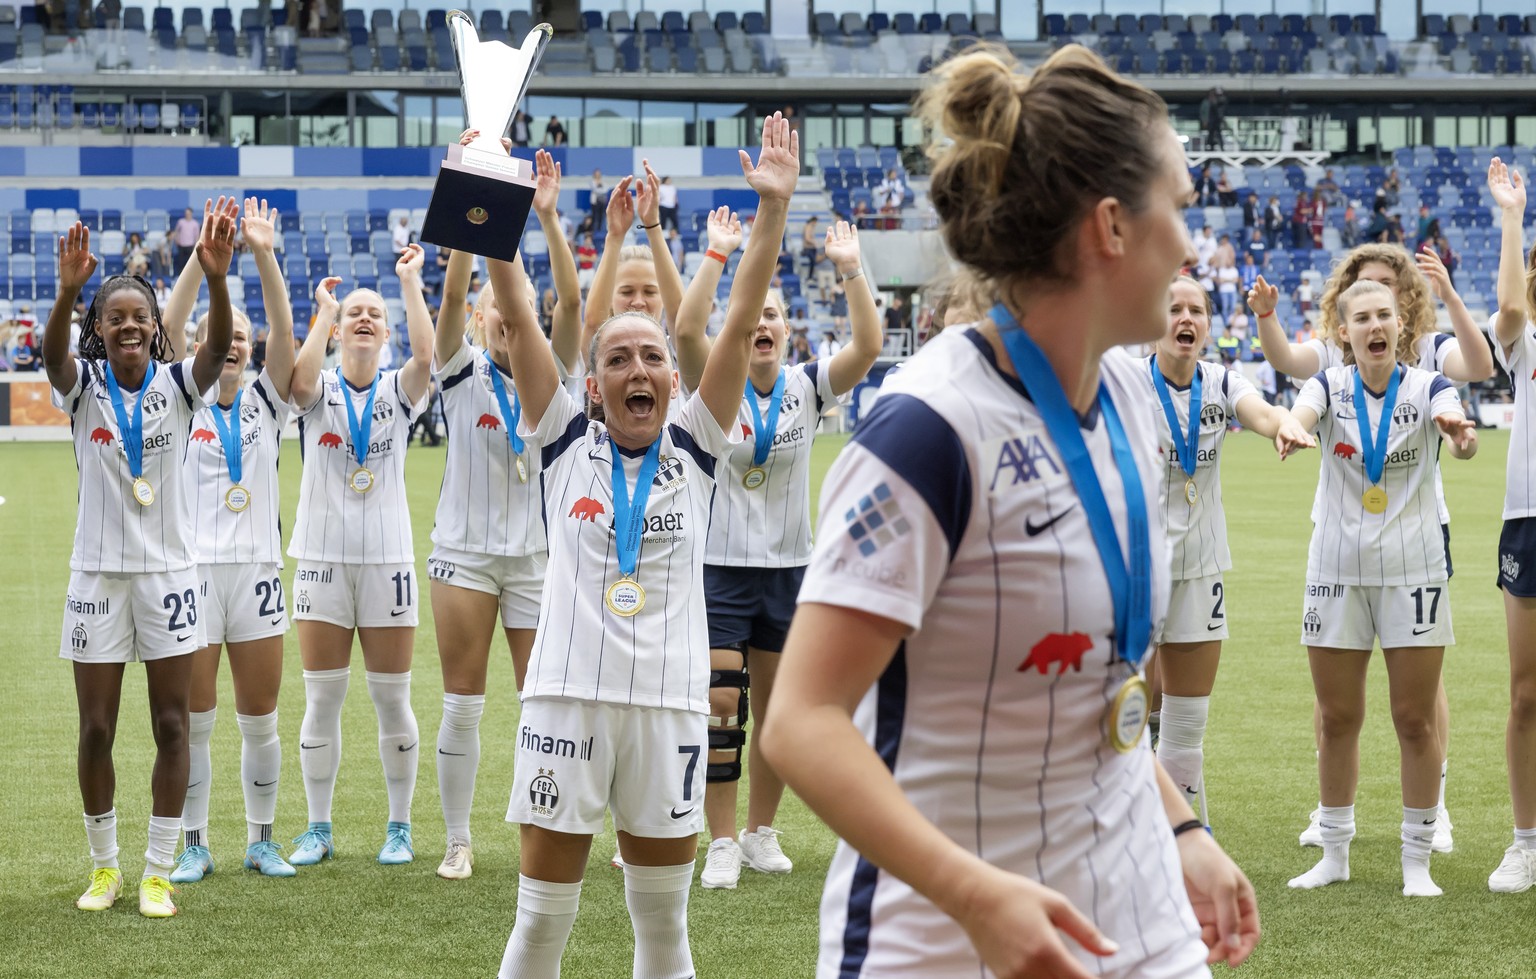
(1443, 829)
(761, 851)
(722, 865)
(459, 862)
(1313, 834)
(1516, 873)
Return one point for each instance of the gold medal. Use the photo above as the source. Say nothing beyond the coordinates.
(143, 492)
(1375, 500)
(1128, 714)
(238, 498)
(625, 597)
(1191, 494)
(522, 470)
(361, 479)
(754, 478)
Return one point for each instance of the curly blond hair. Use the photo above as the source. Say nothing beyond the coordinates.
(1415, 303)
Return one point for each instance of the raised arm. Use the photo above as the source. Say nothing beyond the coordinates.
(178, 309)
(215, 249)
(450, 309)
(416, 375)
(305, 388)
(532, 359)
(1459, 434)
(621, 214)
(76, 266)
(260, 228)
(1471, 360)
(1509, 193)
(565, 330)
(690, 333)
(1273, 421)
(1295, 359)
(774, 178)
(849, 365)
(669, 281)
(1303, 416)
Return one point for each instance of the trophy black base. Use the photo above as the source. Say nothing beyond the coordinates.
(476, 210)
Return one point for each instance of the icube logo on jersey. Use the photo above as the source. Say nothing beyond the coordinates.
(876, 521)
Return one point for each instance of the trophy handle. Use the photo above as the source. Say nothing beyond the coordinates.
(461, 28)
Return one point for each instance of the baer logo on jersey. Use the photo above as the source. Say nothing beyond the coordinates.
(204, 435)
(876, 521)
(101, 436)
(543, 793)
(670, 474)
(1058, 649)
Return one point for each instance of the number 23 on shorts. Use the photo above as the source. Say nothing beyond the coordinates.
(183, 609)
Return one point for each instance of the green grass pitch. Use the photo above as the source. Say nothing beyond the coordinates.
(352, 917)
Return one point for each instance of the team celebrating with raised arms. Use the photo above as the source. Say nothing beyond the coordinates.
(996, 686)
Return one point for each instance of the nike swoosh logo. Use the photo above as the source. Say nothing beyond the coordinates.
(195, 784)
(680, 815)
(184, 638)
(262, 785)
(277, 620)
(455, 754)
(1429, 822)
(306, 747)
(407, 747)
(398, 612)
(1213, 628)
(1034, 530)
(1420, 632)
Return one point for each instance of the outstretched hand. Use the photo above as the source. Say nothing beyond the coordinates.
(1263, 298)
(842, 247)
(648, 197)
(723, 227)
(260, 225)
(778, 161)
(327, 306)
(216, 244)
(1460, 430)
(1505, 185)
(546, 192)
(408, 266)
(621, 208)
(76, 263)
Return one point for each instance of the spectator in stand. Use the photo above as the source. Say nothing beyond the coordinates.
(1225, 253)
(599, 203)
(23, 354)
(1274, 222)
(554, 133)
(862, 218)
(890, 194)
(162, 293)
(1330, 189)
(1380, 228)
(1256, 247)
(1205, 246)
(839, 307)
(1213, 115)
(1248, 272)
(1225, 194)
(799, 326)
(1349, 230)
(829, 345)
(185, 235)
(810, 244)
(1205, 186)
(1318, 217)
(521, 131)
(135, 255)
(666, 200)
(259, 351)
(897, 321)
(800, 351)
(675, 245)
(547, 310)
(1428, 227)
(1227, 278)
(1448, 256)
(1392, 188)
(401, 235)
(1268, 385)
(586, 261)
(1253, 213)
(1227, 346)
(1301, 223)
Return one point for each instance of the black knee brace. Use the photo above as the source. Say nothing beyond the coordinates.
(722, 738)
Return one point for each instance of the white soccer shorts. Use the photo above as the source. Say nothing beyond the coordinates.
(130, 618)
(517, 581)
(1197, 611)
(355, 596)
(242, 602)
(1355, 616)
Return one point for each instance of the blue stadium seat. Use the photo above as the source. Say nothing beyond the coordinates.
(1055, 24)
(416, 57)
(163, 18)
(111, 220)
(687, 60)
(726, 21)
(437, 19)
(878, 22)
(591, 19)
(672, 21)
(753, 22)
(91, 219)
(389, 58)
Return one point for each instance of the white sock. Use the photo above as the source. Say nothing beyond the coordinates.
(458, 758)
(545, 914)
(194, 811)
(160, 855)
(261, 760)
(1443, 766)
(101, 832)
(1180, 744)
(658, 910)
(320, 738)
(399, 748)
(1525, 837)
(1418, 837)
(1337, 824)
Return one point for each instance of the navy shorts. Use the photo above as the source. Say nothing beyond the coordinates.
(1517, 557)
(750, 605)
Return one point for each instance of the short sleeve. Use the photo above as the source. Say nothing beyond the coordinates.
(1443, 398)
(1513, 360)
(1444, 347)
(1314, 395)
(410, 409)
(181, 377)
(1238, 387)
(1328, 354)
(695, 419)
(459, 367)
(276, 407)
(69, 401)
(557, 417)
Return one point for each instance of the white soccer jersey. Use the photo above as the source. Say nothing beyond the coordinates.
(952, 513)
(1197, 534)
(1519, 362)
(484, 507)
(660, 657)
(226, 536)
(114, 534)
(334, 522)
(770, 527)
(1404, 545)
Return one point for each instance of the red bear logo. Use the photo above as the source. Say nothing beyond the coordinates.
(330, 440)
(1064, 649)
(587, 508)
(204, 435)
(746, 431)
(1344, 450)
(101, 437)
(488, 421)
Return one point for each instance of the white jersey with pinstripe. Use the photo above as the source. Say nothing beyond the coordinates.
(1197, 534)
(114, 534)
(952, 513)
(1519, 362)
(334, 522)
(1403, 545)
(225, 536)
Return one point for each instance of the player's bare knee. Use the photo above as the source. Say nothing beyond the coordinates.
(168, 725)
(1414, 727)
(1339, 721)
(96, 736)
(1522, 707)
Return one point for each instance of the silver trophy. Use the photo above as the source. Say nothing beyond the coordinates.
(481, 200)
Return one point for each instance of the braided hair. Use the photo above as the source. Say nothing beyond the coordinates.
(93, 345)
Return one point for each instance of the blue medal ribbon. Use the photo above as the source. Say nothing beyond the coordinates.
(1374, 453)
(360, 432)
(512, 413)
(763, 430)
(130, 430)
(1129, 588)
(1187, 448)
(229, 436)
(629, 513)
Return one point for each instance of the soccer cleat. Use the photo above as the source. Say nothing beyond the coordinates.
(313, 846)
(397, 844)
(267, 858)
(1443, 843)
(722, 865)
(106, 884)
(458, 863)
(1516, 872)
(194, 864)
(1313, 834)
(617, 861)
(761, 851)
(155, 897)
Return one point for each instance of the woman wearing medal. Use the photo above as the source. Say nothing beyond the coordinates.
(352, 541)
(1377, 570)
(133, 589)
(616, 697)
(230, 473)
(489, 548)
(760, 532)
(960, 696)
(1197, 400)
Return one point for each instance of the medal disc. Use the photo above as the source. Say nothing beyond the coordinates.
(1191, 494)
(522, 470)
(1128, 714)
(143, 492)
(361, 480)
(1375, 500)
(625, 597)
(238, 498)
(754, 478)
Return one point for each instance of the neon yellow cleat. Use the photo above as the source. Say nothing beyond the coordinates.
(155, 897)
(106, 883)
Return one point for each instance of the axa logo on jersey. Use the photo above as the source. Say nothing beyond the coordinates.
(1022, 459)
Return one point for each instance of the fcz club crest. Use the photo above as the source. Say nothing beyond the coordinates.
(543, 793)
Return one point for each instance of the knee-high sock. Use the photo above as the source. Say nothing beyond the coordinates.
(320, 738)
(458, 758)
(658, 910)
(545, 914)
(261, 760)
(194, 811)
(101, 831)
(1180, 745)
(160, 854)
(399, 747)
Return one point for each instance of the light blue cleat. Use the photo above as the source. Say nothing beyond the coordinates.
(266, 857)
(313, 846)
(397, 844)
(194, 864)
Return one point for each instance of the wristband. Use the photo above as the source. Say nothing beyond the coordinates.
(1266, 315)
(648, 227)
(856, 273)
(722, 259)
(1186, 826)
